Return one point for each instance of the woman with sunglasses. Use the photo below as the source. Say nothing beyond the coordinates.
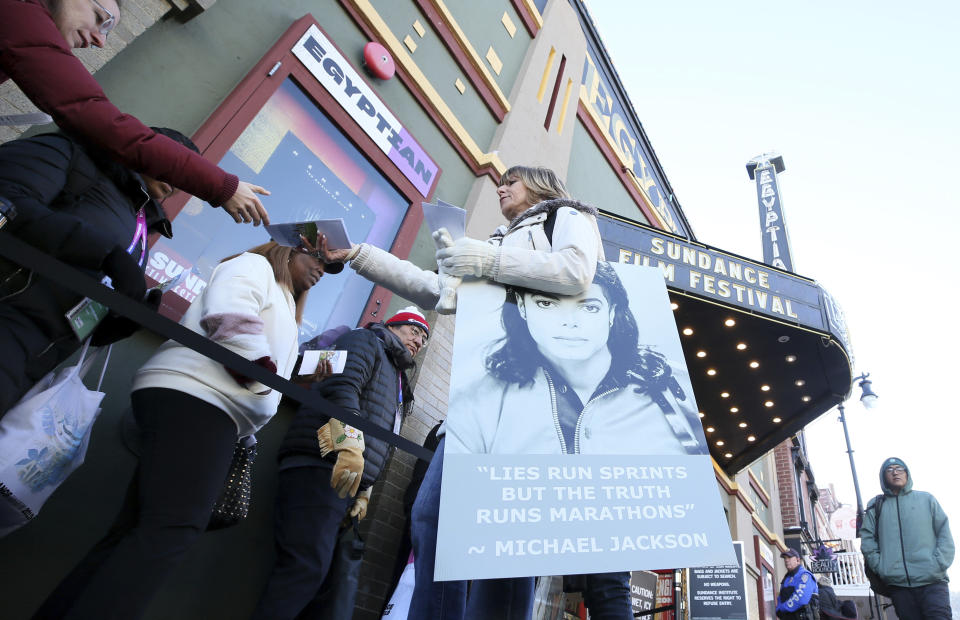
(35, 41)
(191, 411)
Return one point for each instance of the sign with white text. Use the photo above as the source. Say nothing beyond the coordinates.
(719, 276)
(719, 592)
(573, 442)
(643, 590)
(351, 91)
(776, 242)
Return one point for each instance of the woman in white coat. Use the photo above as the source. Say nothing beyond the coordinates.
(191, 411)
(550, 243)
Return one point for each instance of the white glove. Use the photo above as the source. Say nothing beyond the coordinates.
(447, 302)
(467, 257)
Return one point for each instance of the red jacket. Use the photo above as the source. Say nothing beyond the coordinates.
(35, 56)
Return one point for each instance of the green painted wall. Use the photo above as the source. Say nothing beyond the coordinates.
(188, 69)
(176, 75)
(480, 21)
(591, 179)
(441, 69)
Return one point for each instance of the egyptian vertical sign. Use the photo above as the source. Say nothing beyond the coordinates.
(615, 120)
(573, 441)
(776, 242)
(327, 64)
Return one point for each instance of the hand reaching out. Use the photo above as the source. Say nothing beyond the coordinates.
(244, 206)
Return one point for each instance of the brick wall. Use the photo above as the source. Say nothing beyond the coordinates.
(384, 526)
(786, 485)
(135, 17)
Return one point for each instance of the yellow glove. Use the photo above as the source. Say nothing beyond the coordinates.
(347, 442)
(359, 508)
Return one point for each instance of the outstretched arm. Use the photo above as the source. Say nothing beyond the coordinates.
(36, 57)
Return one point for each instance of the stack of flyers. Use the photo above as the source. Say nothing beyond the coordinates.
(311, 359)
(445, 215)
(288, 234)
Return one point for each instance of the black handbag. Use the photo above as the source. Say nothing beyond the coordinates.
(234, 502)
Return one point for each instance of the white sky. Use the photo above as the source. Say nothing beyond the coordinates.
(861, 99)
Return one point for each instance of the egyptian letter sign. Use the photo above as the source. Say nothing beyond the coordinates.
(776, 243)
(613, 119)
(729, 279)
(332, 70)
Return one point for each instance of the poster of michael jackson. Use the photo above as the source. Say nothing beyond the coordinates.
(573, 441)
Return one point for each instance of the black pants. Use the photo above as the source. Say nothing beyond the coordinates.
(607, 596)
(28, 354)
(186, 449)
(930, 602)
(307, 518)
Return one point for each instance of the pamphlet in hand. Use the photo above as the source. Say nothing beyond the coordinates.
(338, 359)
(445, 215)
(289, 234)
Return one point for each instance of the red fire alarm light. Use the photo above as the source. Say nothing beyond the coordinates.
(378, 61)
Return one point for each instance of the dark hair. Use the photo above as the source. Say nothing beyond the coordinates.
(177, 137)
(510, 360)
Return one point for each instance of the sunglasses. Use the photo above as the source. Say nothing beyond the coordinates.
(895, 469)
(106, 25)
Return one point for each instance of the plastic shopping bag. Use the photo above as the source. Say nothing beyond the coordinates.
(43, 439)
(399, 606)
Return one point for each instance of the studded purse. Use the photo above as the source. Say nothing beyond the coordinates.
(234, 502)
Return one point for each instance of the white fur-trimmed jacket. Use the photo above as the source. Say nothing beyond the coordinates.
(525, 257)
(494, 417)
(247, 311)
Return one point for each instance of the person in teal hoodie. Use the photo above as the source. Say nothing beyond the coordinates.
(905, 539)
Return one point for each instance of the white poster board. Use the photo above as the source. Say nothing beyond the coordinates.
(536, 483)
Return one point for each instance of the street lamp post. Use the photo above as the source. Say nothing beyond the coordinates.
(869, 400)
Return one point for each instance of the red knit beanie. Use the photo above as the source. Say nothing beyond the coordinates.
(409, 316)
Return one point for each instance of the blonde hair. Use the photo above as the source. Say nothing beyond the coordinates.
(541, 183)
(279, 257)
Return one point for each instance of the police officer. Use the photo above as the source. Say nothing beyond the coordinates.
(798, 599)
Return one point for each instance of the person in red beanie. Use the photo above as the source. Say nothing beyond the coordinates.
(35, 41)
(324, 462)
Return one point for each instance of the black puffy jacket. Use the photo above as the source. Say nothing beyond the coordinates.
(369, 387)
(75, 206)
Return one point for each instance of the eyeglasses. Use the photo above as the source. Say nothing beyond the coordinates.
(106, 25)
(895, 469)
(418, 331)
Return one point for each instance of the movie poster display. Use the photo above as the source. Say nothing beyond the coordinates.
(573, 441)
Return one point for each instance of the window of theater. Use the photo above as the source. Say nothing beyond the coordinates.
(313, 171)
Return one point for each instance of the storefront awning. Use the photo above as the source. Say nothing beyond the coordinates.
(767, 350)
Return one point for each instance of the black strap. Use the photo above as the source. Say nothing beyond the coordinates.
(877, 506)
(548, 225)
(72, 279)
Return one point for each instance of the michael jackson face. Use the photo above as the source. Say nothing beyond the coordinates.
(568, 328)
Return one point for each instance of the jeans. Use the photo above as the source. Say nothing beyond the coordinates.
(929, 602)
(186, 449)
(504, 599)
(307, 518)
(607, 596)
